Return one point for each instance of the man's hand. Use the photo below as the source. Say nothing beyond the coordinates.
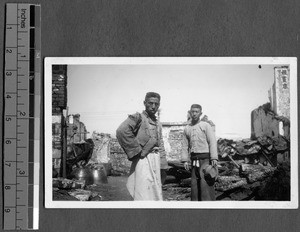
(186, 166)
(214, 162)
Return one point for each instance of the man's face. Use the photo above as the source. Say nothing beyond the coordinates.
(195, 114)
(151, 105)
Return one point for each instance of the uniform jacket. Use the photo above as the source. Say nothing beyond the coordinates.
(199, 138)
(141, 134)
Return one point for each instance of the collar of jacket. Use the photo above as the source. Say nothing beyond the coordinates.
(193, 124)
(201, 119)
(151, 119)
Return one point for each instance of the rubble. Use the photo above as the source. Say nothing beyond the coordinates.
(120, 165)
(85, 195)
(248, 170)
(263, 150)
(80, 194)
(255, 173)
(176, 192)
(62, 195)
(225, 183)
(277, 186)
(62, 183)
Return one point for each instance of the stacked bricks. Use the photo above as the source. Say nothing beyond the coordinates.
(59, 88)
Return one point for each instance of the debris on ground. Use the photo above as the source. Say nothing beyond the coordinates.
(248, 170)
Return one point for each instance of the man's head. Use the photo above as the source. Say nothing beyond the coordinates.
(152, 102)
(195, 112)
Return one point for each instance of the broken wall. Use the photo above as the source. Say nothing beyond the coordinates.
(76, 129)
(172, 137)
(101, 152)
(281, 88)
(118, 159)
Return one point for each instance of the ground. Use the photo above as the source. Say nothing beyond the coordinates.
(115, 190)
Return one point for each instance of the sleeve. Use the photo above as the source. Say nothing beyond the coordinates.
(185, 147)
(162, 151)
(212, 142)
(126, 135)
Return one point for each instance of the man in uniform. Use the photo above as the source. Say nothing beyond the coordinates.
(140, 136)
(199, 140)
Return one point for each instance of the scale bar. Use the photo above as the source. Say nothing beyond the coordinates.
(22, 39)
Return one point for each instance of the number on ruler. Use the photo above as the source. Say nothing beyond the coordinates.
(7, 210)
(8, 74)
(8, 50)
(8, 96)
(8, 141)
(21, 172)
(7, 187)
(22, 113)
(8, 164)
(8, 119)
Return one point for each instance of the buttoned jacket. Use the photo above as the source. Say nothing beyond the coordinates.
(199, 138)
(140, 134)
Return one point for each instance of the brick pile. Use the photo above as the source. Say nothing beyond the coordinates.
(119, 161)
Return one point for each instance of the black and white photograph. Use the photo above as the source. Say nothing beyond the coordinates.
(171, 132)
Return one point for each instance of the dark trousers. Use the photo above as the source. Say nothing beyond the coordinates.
(201, 190)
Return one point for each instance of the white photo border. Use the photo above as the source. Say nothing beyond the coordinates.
(290, 61)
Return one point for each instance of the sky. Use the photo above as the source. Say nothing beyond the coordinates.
(104, 95)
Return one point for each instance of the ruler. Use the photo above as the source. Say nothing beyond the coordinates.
(22, 97)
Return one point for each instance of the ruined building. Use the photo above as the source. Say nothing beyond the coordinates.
(76, 130)
(273, 119)
(59, 106)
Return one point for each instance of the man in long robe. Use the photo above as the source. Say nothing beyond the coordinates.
(140, 136)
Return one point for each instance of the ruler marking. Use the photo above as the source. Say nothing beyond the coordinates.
(22, 38)
(14, 161)
(16, 105)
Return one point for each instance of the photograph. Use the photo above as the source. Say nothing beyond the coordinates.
(171, 132)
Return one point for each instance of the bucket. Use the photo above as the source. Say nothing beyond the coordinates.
(84, 173)
(99, 175)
